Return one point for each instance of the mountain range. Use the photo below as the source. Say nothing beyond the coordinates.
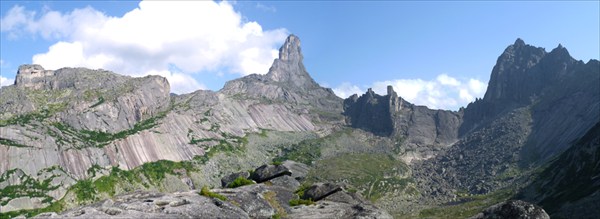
(74, 136)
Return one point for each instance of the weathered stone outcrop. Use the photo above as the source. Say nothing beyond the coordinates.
(570, 186)
(251, 201)
(320, 191)
(558, 89)
(227, 180)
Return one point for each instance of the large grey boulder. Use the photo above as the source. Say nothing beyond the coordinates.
(227, 180)
(299, 170)
(319, 191)
(267, 172)
(516, 209)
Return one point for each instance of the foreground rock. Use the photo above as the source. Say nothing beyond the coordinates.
(513, 209)
(268, 172)
(319, 191)
(265, 200)
(155, 205)
(227, 180)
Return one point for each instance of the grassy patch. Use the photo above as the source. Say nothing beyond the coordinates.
(57, 207)
(305, 151)
(271, 197)
(155, 171)
(240, 181)
(206, 192)
(374, 175)
(224, 146)
(295, 202)
(468, 206)
(85, 191)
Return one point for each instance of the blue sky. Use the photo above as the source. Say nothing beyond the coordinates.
(438, 54)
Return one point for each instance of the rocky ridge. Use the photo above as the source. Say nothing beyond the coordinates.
(419, 131)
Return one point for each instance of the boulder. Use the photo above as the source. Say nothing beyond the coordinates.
(299, 170)
(227, 180)
(267, 172)
(319, 191)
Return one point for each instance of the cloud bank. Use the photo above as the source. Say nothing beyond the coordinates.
(194, 36)
(444, 92)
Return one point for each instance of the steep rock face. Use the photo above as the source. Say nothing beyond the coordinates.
(559, 90)
(392, 116)
(537, 103)
(570, 186)
(86, 99)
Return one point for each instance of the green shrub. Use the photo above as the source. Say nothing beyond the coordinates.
(277, 163)
(206, 192)
(295, 202)
(240, 181)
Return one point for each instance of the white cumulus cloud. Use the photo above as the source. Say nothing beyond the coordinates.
(444, 92)
(346, 89)
(5, 81)
(194, 36)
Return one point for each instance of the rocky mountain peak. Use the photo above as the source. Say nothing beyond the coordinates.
(287, 81)
(519, 42)
(288, 68)
(511, 73)
(290, 51)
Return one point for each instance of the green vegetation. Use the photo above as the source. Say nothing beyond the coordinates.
(305, 151)
(263, 133)
(271, 198)
(206, 192)
(467, 206)
(92, 170)
(373, 174)
(276, 163)
(24, 119)
(301, 189)
(9, 142)
(101, 139)
(28, 188)
(100, 101)
(240, 181)
(155, 171)
(57, 206)
(84, 191)
(295, 202)
(224, 146)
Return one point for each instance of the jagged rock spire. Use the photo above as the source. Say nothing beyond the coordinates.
(288, 68)
(290, 51)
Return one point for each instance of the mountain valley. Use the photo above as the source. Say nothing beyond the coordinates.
(80, 140)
